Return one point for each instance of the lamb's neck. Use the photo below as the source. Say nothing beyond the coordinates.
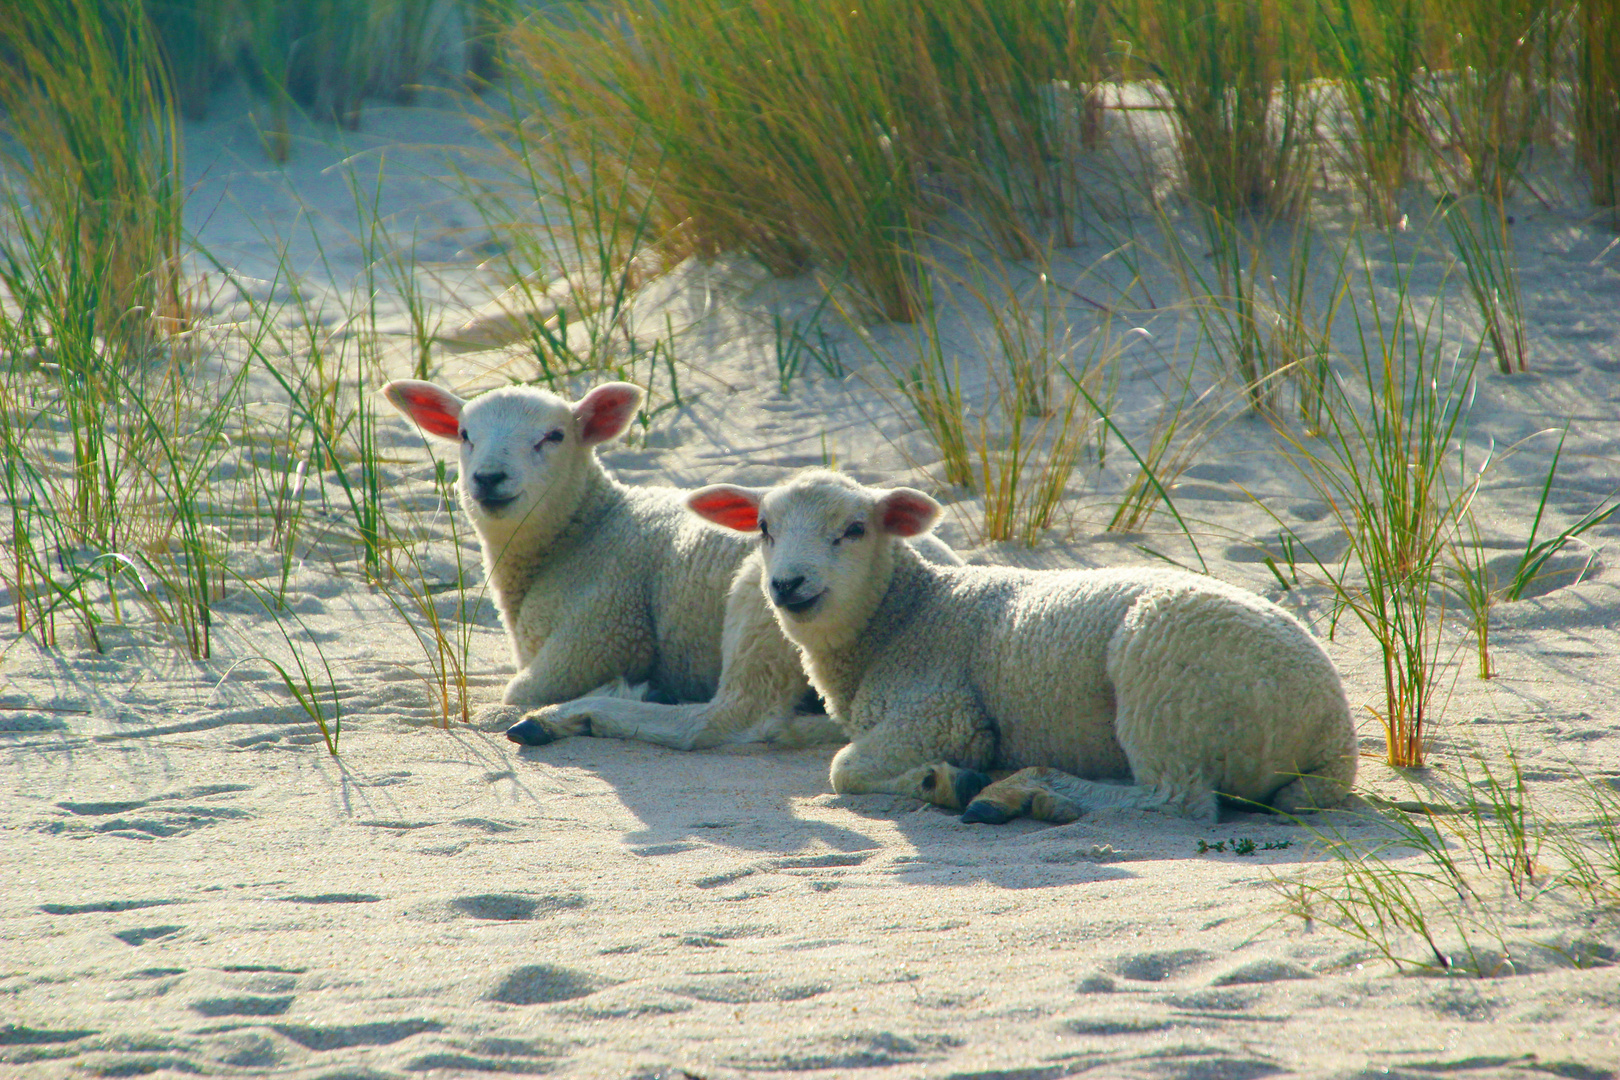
(513, 557)
(838, 667)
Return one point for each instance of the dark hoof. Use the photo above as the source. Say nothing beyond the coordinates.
(985, 812)
(968, 784)
(531, 732)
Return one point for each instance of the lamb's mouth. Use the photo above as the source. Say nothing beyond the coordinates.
(495, 506)
(801, 607)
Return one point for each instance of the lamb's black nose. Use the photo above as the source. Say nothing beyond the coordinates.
(784, 589)
(487, 485)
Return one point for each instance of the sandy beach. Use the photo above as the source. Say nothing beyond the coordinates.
(195, 886)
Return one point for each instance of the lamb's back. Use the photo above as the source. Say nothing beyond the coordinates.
(1033, 647)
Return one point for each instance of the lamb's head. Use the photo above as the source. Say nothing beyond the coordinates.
(525, 453)
(827, 544)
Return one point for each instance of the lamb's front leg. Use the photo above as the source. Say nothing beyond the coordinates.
(1053, 795)
(562, 669)
(1040, 793)
(855, 771)
(761, 683)
(908, 757)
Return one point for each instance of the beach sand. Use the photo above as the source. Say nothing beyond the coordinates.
(193, 885)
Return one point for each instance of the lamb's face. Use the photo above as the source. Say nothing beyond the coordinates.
(524, 452)
(519, 447)
(827, 545)
(819, 544)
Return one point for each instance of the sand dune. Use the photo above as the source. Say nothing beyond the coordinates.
(193, 885)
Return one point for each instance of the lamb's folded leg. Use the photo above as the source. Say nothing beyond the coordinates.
(545, 725)
(938, 782)
(1032, 792)
(866, 767)
(1052, 795)
(761, 682)
(679, 727)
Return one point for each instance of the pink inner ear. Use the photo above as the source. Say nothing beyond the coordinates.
(606, 411)
(725, 506)
(907, 514)
(434, 411)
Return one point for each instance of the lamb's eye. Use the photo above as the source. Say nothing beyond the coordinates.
(464, 436)
(764, 530)
(551, 437)
(854, 532)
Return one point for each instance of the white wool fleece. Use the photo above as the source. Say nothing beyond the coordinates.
(594, 580)
(1182, 684)
(601, 585)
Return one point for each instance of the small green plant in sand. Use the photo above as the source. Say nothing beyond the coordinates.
(574, 236)
(1031, 430)
(438, 614)
(1243, 845)
(1537, 548)
(1269, 317)
(1183, 423)
(1480, 587)
(1451, 882)
(1386, 467)
(1005, 406)
(1482, 237)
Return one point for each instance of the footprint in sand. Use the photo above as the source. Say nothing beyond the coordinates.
(1263, 971)
(1105, 1026)
(334, 898)
(541, 984)
(142, 934)
(104, 905)
(313, 1037)
(243, 1006)
(23, 1035)
(507, 907)
(1159, 966)
(159, 820)
(749, 991)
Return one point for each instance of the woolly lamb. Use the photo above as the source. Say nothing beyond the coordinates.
(599, 584)
(1181, 686)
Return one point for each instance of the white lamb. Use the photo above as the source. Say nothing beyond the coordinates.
(600, 585)
(1183, 687)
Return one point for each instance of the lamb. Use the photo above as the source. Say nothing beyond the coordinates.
(1143, 688)
(600, 585)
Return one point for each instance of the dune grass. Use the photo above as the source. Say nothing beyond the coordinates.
(1597, 99)
(1387, 467)
(858, 142)
(321, 57)
(1453, 881)
(1232, 74)
(141, 472)
(92, 204)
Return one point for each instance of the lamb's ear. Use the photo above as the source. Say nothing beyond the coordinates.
(436, 411)
(728, 505)
(907, 512)
(607, 410)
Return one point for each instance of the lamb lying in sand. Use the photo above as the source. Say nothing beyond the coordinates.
(599, 584)
(1185, 687)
